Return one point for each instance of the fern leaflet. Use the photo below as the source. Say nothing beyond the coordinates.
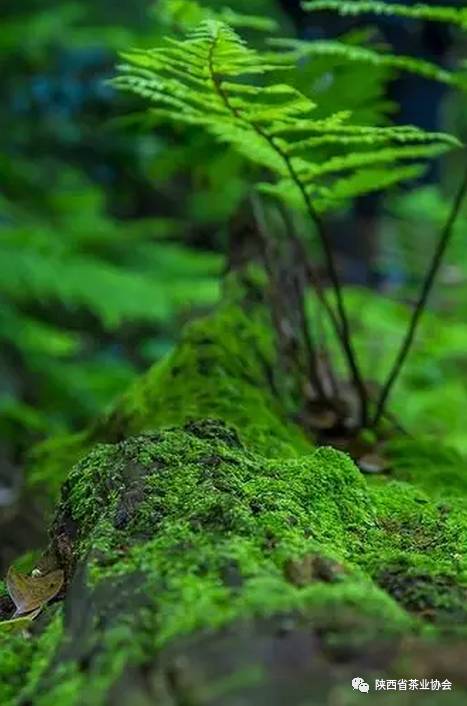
(210, 79)
(434, 13)
(365, 55)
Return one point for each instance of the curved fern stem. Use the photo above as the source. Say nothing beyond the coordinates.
(271, 266)
(313, 277)
(345, 336)
(312, 274)
(420, 307)
(344, 328)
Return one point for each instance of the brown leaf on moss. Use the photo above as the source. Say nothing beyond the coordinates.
(20, 623)
(31, 592)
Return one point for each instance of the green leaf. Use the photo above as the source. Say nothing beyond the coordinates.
(419, 11)
(211, 79)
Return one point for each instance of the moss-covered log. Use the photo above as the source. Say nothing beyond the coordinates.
(213, 557)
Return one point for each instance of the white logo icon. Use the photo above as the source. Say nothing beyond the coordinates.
(360, 685)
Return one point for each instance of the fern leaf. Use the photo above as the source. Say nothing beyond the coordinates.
(212, 79)
(300, 49)
(360, 159)
(186, 14)
(434, 13)
(360, 182)
(363, 182)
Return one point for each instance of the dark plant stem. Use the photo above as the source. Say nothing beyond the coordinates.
(420, 307)
(298, 285)
(345, 337)
(311, 350)
(303, 257)
(311, 271)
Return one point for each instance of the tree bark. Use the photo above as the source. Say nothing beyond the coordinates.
(214, 557)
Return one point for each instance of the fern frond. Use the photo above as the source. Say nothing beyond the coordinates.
(186, 14)
(300, 49)
(37, 337)
(434, 13)
(241, 21)
(354, 160)
(363, 182)
(346, 137)
(360, 182)
(210, 79)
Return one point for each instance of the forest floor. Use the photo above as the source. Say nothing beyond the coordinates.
(213, 555)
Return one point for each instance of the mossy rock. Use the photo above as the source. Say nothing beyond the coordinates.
(203, 572)
(214, 557)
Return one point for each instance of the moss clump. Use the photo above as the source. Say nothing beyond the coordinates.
(220, 524)
(15, 653)
(418, 554)
(185, 530)
(225, 366)
(422, 507)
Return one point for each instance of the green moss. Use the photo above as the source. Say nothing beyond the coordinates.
(223, 367)
(209, 506)
(196, 523)
(200, 531)
(418, 555)
(15, 653)
(269, 511)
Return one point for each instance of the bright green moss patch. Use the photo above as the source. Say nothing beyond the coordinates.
(224, 367)
(186, 530)
(267, 511)
(211, 525)
(218, 512)
(207, 527)
(15, 656)
(419, 555)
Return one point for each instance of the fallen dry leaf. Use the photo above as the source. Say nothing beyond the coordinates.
(20, 623)
(31, 592)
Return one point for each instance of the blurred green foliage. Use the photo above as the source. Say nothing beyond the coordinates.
(98, 263)
(112, 234)
(431, 397)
